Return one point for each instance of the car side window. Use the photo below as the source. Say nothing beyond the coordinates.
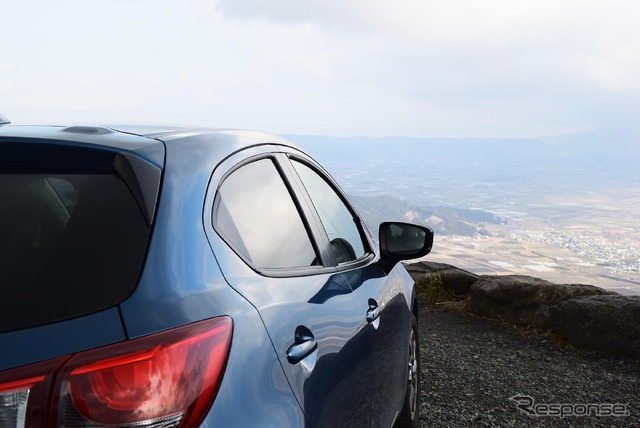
(338, 221)
(256, 215)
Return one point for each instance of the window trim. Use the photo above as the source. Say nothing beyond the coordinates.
(281, 155)
(322, 240)
(310, 227)
(369, 254)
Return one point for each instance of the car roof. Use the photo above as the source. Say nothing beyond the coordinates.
(145, 141)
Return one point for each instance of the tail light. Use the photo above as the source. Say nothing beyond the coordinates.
(168, 379)
(24, 391)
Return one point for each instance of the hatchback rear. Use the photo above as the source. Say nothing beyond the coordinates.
(138, 290)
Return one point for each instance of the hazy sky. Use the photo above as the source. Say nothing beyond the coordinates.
(335, 67)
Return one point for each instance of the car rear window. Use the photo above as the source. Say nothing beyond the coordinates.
(72, 242)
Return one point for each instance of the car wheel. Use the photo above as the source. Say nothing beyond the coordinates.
(410, 413)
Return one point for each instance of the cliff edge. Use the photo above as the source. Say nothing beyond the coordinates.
(583, 315)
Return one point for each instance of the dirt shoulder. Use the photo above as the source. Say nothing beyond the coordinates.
(471, 367)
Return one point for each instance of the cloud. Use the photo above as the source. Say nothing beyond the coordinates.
(550, 66)
(332, 14)
(369, 67)
(493, 40)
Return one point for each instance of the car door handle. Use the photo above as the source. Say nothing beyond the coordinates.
(303, 346)
(373, 312)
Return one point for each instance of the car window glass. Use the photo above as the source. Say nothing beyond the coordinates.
(336, 218)
(70, 244)
(255, 213)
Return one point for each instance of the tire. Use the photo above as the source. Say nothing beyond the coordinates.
(410, 413)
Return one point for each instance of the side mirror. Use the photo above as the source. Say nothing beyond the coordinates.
(403, 241)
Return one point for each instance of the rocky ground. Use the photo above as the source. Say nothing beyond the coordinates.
(471, 367)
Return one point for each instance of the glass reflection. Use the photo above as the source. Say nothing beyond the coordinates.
(336, 218)
(257, 215)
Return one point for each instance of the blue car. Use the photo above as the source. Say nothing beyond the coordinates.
(168, 277)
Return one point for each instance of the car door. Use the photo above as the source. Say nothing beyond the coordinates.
(385, 293)
(272, 251)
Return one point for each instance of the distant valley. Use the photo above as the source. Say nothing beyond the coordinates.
(562, 208)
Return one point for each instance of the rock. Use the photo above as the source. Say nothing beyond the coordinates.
(606, 323)
(587, 316)
(522, 299)
(457, 279)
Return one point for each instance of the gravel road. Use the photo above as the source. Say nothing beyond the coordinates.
(471, 367)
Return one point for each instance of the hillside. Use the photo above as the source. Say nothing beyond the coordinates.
(444, 220)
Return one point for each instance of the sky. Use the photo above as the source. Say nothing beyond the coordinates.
(411, 68)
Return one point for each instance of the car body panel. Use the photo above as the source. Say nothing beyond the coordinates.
(330, 384)
(353, 362)
(182, 284)
(391, 293)
(254, 389)
(389, 337)
(357, 374)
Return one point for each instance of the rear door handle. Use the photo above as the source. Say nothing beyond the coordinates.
(373, 312)
(304, 345)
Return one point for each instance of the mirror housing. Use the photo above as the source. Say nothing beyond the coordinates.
(403, 241)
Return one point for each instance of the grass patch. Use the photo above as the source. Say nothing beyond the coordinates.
(432, 289)
(561, 340)
(458, 306)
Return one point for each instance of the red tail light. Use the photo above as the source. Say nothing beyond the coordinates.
(168, 379)
(23, 393)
